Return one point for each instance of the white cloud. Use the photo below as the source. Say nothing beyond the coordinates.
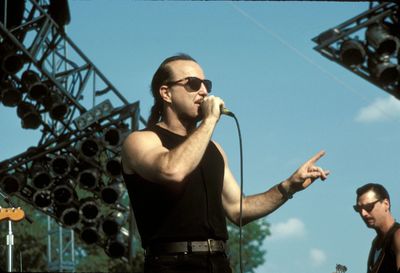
(317, 257)
(292, 228)
(381, 109)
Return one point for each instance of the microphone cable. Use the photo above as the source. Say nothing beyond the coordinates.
(231, 114)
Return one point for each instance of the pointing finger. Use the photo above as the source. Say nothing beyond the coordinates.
(316, 157)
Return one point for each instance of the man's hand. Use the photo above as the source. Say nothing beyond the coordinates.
(306, 174)
(211, 107)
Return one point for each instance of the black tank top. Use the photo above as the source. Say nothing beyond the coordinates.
(188, 211)
(385, 263)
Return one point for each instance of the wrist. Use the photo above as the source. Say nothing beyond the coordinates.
(285, 190)
(210, 118)
(209, 122)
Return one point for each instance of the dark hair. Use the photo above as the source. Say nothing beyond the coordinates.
(162, 75)
(380, 191)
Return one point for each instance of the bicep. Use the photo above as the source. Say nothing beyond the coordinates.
(230, 192)
(231, 196)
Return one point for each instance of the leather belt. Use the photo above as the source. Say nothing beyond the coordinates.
(209, 246)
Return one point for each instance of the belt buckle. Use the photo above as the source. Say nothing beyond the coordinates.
(209, 245)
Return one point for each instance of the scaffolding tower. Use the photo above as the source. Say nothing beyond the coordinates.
(59, 94)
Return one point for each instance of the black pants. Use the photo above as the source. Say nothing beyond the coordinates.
(188, 263)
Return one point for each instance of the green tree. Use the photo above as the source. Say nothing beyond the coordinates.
(253, 235)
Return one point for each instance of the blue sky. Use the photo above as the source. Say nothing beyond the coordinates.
(290, 101)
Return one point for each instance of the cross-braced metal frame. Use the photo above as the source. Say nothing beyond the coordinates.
(330, 41)
(62, 163)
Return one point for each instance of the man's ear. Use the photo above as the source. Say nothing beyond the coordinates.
(165, 93)
(387, 203)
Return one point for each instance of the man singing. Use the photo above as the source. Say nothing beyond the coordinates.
(178, 179)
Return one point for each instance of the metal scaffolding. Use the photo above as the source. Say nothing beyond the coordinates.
(57, 89)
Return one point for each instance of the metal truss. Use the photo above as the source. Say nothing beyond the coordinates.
(329, 41)
(45, 49)
(45, 45)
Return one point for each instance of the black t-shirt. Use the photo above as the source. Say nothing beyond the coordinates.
(188, 211)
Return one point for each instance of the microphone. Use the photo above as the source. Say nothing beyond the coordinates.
(225, 111)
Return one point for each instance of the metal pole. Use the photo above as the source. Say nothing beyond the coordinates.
(60, 248)
(73, 249)
(49, 261)
(10, 243)
(5, 14)
(20, 261)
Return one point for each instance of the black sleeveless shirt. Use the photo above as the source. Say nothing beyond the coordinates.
(385, 263)
(188, 211)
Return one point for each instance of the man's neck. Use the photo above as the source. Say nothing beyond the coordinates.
(385, 227)
(178, 126)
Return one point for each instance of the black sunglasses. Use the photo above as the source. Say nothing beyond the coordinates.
(367, 207)
(193, 83)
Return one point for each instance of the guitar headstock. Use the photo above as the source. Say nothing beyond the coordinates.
(12, 214)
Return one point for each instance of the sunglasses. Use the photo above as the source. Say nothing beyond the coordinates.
(367, 207)
(193, 83)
